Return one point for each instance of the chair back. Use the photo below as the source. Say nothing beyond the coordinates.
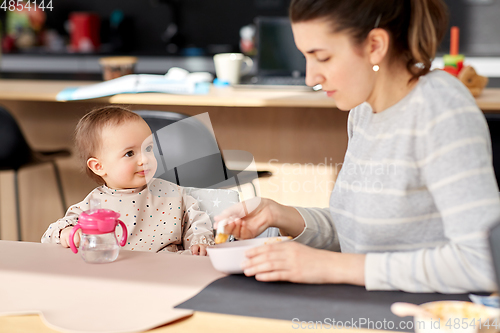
(14, 150)
(186, 150)
(213, 201)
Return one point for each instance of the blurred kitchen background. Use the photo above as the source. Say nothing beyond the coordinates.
(166, 33)
(163, 33)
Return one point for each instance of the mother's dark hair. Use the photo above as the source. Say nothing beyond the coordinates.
(416, 27)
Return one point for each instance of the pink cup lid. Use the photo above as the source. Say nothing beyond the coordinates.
(100, 221)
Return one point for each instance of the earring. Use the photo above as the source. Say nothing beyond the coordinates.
(376, 68)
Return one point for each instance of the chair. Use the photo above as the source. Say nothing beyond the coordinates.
(192, 157)
(15, 153)
(207, 197)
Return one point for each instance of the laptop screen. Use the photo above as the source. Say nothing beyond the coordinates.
(278, 55)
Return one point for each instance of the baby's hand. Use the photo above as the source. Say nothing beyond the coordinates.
(65, 236)
(199, 249)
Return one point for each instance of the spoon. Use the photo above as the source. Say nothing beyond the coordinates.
(220, 235)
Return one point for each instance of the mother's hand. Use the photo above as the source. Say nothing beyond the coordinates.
(249, 218)
(295, 262)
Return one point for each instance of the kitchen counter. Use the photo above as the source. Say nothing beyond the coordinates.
(46, 91)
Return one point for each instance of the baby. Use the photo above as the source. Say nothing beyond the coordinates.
(116, 146)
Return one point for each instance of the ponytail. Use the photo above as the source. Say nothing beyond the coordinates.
(427, 27)
(416, 27)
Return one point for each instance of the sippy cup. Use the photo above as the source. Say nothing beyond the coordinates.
(98, 244)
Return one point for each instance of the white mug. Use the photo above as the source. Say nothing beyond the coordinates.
(228, 66)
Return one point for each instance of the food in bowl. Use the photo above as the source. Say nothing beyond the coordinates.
(457, 316)
(221, 238)
(228, 257)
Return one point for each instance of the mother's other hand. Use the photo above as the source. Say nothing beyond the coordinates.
(295, 262)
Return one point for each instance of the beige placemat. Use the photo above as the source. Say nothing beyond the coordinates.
(137, 292)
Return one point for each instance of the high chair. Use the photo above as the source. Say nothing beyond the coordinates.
(174, 149)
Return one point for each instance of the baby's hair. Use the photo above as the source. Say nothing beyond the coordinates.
(89, 129)
(416, 27)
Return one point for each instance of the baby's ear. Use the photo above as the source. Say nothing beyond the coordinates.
(95, 165)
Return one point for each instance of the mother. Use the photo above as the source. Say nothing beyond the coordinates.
(417, 192)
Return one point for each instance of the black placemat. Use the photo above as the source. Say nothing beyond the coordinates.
(302, 303)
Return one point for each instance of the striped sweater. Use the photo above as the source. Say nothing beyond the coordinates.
(416, 193)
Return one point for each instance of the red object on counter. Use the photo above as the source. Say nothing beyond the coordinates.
(454, 70)
(8, 44)
(454, 40)
(451, 70)
(85, 32)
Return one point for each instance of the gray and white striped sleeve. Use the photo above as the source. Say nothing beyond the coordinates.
(320, 230)
(457, 170)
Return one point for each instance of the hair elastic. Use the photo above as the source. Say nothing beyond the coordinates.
(377, 21)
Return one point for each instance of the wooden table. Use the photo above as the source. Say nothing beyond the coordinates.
(52, 266)
(49, 278)
(199, 322)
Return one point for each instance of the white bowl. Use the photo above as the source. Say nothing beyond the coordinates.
(227, 257)
(457, 317)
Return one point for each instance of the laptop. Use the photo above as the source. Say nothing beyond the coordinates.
(279, 63)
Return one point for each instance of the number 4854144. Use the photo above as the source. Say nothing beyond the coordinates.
(465, 323)
(29, 5)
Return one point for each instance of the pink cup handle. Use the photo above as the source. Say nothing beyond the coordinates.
(125, 232)
(71, 236)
